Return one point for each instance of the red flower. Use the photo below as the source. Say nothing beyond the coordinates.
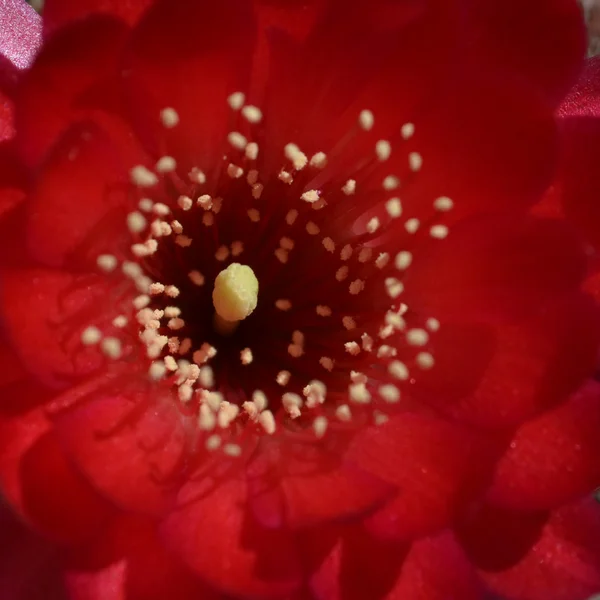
(280, 316)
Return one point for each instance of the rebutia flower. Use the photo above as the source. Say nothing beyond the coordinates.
(290, 308)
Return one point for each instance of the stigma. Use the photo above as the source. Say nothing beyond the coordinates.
(235, 297)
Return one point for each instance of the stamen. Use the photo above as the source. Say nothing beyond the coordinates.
(169, 117)
(383, 149)
(438, 232)
(394, 207)
(407, 130)
(142, 176)
(366, 120)
(107, 262)
(91, 336)
(415, 161)
(252, 114)
(236, 100)
(403, 260)
(165, 164)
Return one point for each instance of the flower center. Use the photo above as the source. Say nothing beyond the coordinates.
(331, 344)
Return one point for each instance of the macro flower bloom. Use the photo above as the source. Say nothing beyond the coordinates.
(288, 310)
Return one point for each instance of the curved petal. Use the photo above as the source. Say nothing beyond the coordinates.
(500, 38)
(63, 229)
(39, 482)
(129, 562)
(190, 57)
(358, 566)
(44, 313)
(531, 366)
(440, 465)
(20, 38)
(490, 145)
(495, 268)
(58, 13)
(382, 56)
(552, 460)
(292, 486)
(562, 564)
(64, 85)
(239, 557)
(127, 448)
(437, 568)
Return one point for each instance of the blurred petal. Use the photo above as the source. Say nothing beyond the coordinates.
(20, 38)
(58, 13)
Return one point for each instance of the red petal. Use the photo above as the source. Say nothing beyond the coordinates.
(64, 85)
(58, 13)
(553, 459)
(376, 55)
(220, 540)
(61, 227)
(579, 178)
(493, 268)
(12, 176)
(139, 568)
(191, 57)
(535, 365)
(296, 487)
(129, 450)
(495, 538)
(29, 566)
(437, 569)
(584, 98)
(500, 41)
(433, 465)
(20, 38)
(7, 129)
(358, 567)
(44, 313)
(563, 564)
(489, 145)
(11, 368)
(39, 482)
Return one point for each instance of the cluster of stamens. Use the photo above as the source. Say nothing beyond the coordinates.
(179, 361)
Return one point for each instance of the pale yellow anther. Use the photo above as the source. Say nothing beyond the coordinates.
(235, 296)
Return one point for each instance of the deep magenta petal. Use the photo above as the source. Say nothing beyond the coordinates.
(584, 99)
(20, 38)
